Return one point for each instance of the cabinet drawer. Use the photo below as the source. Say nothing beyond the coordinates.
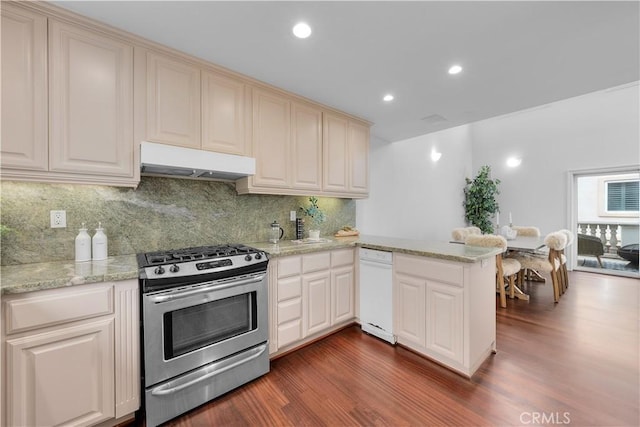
(290, 287)
(289, 332)
(342, 257)
(316, 262)
(427, 269)
(289, 266)
(289, 310)
(53, 307)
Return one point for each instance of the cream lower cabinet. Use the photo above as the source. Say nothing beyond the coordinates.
(71, 355)
(342, 285)
(445, 310)
(313, 293)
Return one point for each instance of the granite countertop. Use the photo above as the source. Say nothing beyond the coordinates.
(50, 275)
(21, 278)
(432, 249)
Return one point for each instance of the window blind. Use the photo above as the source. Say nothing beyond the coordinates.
(623, 196)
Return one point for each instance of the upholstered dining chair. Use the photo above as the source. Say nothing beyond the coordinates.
(526, 231)
(506, 268)
(461, 233)
(551, 263)
(564, 274)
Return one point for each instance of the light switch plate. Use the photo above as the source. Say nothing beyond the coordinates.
(292, 215)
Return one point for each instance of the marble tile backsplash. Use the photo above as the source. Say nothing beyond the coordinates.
(162, 213)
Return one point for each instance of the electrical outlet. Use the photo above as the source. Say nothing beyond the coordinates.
(292, 215)
(58, 219)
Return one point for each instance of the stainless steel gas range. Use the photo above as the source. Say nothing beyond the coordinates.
(204, 325)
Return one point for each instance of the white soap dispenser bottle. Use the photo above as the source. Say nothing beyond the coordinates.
(83, 245)
(99, 243)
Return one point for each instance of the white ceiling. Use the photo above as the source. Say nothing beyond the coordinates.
(515, 55)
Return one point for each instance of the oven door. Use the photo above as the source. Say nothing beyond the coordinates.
(191, 326)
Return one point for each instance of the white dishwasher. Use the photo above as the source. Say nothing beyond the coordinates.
(376, 295)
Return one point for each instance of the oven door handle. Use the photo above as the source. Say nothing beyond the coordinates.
(202, 290)
(207, 372)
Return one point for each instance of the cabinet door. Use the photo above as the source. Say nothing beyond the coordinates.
(306, 142)
(223, 114)
(90, 103)
(358, 158)
(271, 139)
(343, 294)
(409, 309)
(316, 288)
(24, 89)
(173, 101)
(444, 320)
(45, 387)
(335, 134)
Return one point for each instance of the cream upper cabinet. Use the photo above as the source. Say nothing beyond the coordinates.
(335, 133)
(306, 147)
(287, 145)
(358, 158)
(24, 89)
(172, 101)
(223, 114)
(67, 102)
(346, 156)
(190, 105)
(271, 139)
(91, 102)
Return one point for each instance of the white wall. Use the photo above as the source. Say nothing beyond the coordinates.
(412, 197)
(597, 130)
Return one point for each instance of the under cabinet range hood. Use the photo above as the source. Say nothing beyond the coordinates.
(168, 160)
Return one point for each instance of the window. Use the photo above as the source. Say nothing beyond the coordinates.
(623, 196)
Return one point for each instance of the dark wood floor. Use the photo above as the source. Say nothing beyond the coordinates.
(575, 362)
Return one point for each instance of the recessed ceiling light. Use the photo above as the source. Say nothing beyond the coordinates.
(388, 97)
(302, 30)
(455, 69)
(513, 162)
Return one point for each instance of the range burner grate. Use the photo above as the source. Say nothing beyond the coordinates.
(192, 254)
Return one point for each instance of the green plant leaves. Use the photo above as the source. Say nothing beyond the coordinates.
(480, 201)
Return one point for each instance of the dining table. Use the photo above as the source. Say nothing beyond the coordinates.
(526, 244)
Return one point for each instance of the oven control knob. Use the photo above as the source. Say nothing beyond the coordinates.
(159, 270)
(258, 256)
(247, 258)
(174, 268)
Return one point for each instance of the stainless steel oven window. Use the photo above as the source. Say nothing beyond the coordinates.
(195, 327)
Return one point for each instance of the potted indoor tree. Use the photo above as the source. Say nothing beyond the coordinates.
(314, 212)
(480, 199)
